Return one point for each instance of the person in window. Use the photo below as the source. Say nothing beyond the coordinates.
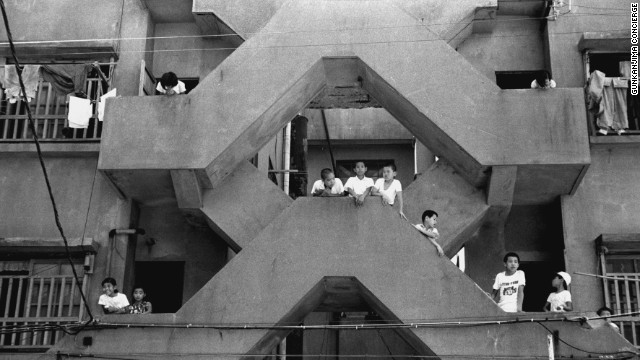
(170, 85)
(543, 81)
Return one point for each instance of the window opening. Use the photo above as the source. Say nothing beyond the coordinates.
(515, 79)
(460, 259)
(621, 109)
(38, 291)
(163, 283)
(620, 267)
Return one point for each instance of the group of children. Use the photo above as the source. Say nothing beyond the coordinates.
(359, 187)
(387, 188)
(115, 302)
(508, 288)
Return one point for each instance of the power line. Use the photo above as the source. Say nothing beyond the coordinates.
(308, 45)
(426, 25)
(138, 356)
(40, 158)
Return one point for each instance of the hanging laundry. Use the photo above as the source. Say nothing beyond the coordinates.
(101, 104)
(30, 77)
(66, 78)
(80, 111)
(607, 98)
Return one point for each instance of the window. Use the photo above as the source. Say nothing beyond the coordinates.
(515, 79)
(614, 65)
(38, 291)
(620, 269)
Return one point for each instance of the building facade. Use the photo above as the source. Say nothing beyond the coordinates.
(201, 198)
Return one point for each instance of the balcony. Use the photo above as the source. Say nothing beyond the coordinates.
(50, 112)
(32, 306)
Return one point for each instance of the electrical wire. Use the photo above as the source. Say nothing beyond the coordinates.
(40, 157)
(173, 37)
(587, 351)
(312, 45)
(138, 356)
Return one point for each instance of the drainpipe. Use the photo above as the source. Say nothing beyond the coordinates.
(112, 236)
(286, 157)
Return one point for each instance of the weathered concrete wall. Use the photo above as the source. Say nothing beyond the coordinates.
(367, 243)
(82, 195)
(514, 45)
(189, 57)
(351, 124)
(565, 33)
(94, 19)
(319, 158)
(203, 252)
(607, 202)
(63, 19)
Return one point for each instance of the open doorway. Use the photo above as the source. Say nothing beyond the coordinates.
(163, 282)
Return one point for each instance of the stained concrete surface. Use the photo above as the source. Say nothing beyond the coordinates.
(264, 283)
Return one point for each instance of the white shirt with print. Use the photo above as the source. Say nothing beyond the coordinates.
(508, 287)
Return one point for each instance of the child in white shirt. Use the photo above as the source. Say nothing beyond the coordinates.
(428, 228)
(328, 185)
(508, 289)
(359, 186)
(388, 188)
(560, 300)
(112, 301)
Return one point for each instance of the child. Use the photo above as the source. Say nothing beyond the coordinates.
(604, 312)
(543, 81)
(508, 289)
(170, 85)
(359, 186)
(112, 301)
(329, 185)
(389, 188)
(560, 300)
(139, 306)
(428, 228)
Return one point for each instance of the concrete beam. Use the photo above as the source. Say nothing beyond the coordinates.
(276, 73)
(460, 206)
(243, 205)
(279, 277)
(502, 185)
(187, 188)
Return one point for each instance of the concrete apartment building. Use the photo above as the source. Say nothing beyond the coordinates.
(199, 198)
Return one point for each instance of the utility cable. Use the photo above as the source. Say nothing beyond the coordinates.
(173, 37)
(42, 165)
(587, 351)
(313, 45)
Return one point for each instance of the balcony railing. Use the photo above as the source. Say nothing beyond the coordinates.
(49, 112)
(27, 302)
(621, 295)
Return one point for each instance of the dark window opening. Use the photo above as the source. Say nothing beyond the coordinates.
(539, 275)
(608, 63)
(163, 282)
(515, 79)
